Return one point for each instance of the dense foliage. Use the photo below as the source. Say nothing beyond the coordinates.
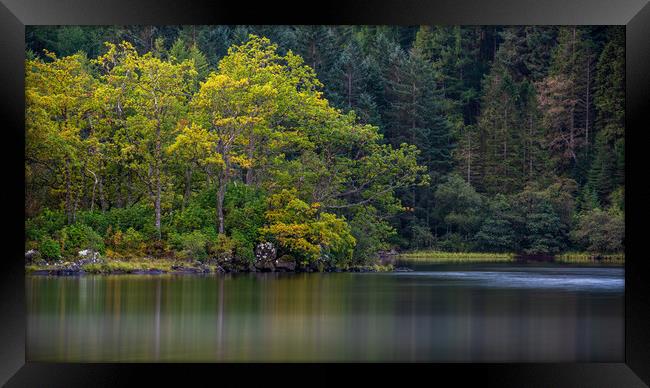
(333, 143)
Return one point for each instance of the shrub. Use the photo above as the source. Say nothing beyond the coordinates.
(300, 230)
(192, 218)
(140, 217)
(600, 231)
(45, 224)
(96, 219)
(49, 249)
(194, 245)
(243, 248)
(244, 208)
(371, 234)
(133, 241)
(129, 243)
(222, 248)
(78, 237)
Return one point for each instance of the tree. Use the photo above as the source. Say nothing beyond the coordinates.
(600, 231)
(59, 133)
(302, 231)
(155, 93)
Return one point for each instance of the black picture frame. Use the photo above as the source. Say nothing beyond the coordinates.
(634, 371)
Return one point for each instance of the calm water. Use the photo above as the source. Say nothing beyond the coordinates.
(439, 313)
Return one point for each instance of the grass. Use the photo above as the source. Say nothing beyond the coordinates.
(128, 266)
(432, 257)
(590, 258)
(429, 257)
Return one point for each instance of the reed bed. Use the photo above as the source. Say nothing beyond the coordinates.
(425, 257)
(590, 258)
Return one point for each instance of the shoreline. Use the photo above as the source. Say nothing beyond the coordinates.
(437, 257)
(162, 267)
(391, 263)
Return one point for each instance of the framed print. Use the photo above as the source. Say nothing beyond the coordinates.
(387, 189)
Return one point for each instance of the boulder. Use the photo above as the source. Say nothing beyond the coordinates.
(285, 264)
(265, 256)
(31, 255)
(89, 256)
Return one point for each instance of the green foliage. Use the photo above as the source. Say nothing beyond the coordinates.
(193, 245)
(49, 249)
(372, 234)
(244, 208)
(44, 224)
(301, 231)
(600, 231)
(76, 237)
(454, 137)
(223, 248)
(498, 232)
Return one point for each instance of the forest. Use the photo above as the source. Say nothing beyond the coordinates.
(332, 143)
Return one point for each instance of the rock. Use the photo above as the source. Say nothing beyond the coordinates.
(220, 270)
(265, 256)
(285, 264)
(31, 255)
(88, 256)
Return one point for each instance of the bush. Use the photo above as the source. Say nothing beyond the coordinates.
(45, 224)
(600, 231)
(49, 249)
(140, 217)
(371, 233)
(77, 237)
(192, 218)
(129, 243)
(222, 248)
(193, 245)
(243, 248)
(244, 208)
(298, 229)
(96, 219)
(454, 242)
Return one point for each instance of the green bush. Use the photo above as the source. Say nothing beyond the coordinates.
(77, 237)
(244, 209)
(222, 248)
(140, 217)
(133, 240)
(193, 217)
(371, 233)
(243, 248)
(49, 249)
(600, 231)
(99, 221)
(45, 224)
(194, 245)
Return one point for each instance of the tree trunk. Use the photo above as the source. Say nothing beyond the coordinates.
(249, 151)
(221, 193)
(222, 181)
(156, 172)
(469, 158)
(92, 199)
(350, 89)
(68, 191)
(188, 187)
(588, 102)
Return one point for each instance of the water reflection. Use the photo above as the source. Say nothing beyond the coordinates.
(489, 314)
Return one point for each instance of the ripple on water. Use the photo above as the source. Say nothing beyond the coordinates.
(573, 280)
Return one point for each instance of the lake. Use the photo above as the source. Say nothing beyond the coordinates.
(439, 313)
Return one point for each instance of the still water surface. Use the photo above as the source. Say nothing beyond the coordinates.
(476, 313)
